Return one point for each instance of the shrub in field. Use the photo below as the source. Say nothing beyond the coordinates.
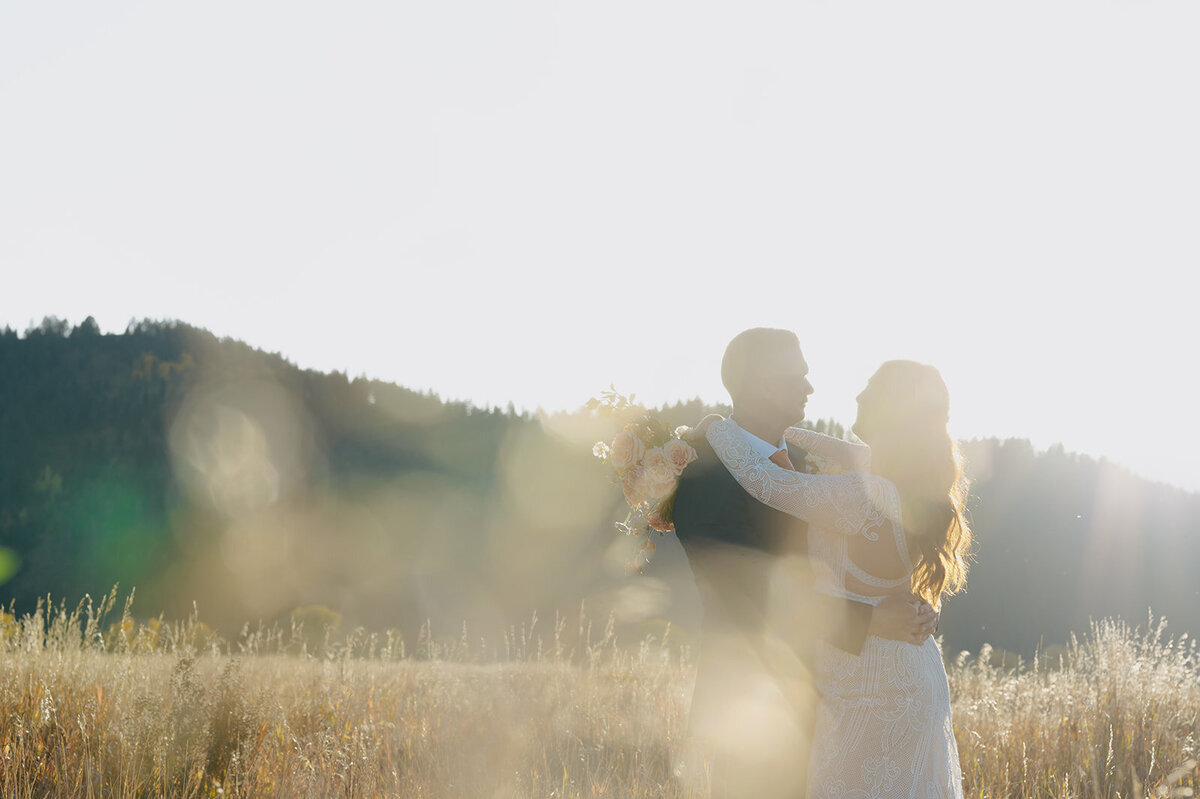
(312, 628)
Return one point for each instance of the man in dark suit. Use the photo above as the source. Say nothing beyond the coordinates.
(752, 709)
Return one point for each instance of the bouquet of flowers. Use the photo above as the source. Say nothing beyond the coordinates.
(647, 460)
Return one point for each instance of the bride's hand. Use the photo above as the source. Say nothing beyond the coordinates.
(904, 618)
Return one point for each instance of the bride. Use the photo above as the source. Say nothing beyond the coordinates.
(892, 522)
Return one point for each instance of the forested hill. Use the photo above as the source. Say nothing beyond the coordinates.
(200, 469)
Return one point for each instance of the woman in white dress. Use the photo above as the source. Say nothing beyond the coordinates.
(892, 522)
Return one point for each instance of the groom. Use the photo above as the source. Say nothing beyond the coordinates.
(754, 700)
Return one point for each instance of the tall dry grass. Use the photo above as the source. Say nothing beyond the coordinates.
(1114, 715)
(160, 709)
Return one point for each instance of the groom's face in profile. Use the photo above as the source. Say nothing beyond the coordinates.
(786, 387)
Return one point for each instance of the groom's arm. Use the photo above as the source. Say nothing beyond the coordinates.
(853, 623)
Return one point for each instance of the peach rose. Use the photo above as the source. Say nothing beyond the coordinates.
(627, 450)
(660, 475)
(634, 486)
(652, 491)
(662, 490)
(658, 468)
(679, 454)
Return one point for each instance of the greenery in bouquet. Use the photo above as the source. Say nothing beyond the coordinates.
(646, 458)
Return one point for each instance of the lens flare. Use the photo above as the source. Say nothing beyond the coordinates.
(237, 447)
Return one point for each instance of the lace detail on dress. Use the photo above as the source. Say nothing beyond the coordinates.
(850, 504)
(849, 456)
(857, 573)
(883, 726)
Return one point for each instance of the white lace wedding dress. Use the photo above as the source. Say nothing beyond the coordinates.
(883, 725)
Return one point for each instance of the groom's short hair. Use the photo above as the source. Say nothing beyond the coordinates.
(753, 354)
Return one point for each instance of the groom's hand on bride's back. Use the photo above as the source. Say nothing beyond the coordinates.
(903, 618)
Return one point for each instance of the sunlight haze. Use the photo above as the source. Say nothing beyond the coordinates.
(527, 202)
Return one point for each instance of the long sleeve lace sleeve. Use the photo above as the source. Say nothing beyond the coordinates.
(848, 456)
(848, 503)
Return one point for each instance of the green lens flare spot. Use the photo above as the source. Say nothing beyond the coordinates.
(9, 562)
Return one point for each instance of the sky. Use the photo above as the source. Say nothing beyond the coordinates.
(529, 201)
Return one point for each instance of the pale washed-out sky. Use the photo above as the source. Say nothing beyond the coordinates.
(528, 201)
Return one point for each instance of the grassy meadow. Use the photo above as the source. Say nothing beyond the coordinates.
(95, 704)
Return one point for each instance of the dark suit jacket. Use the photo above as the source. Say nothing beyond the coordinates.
(713, 512)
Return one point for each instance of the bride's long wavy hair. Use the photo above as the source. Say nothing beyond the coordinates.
(928, 472)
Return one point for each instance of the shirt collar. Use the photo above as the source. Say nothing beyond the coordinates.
(761, 448)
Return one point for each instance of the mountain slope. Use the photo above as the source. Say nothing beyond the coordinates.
(200, 469)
